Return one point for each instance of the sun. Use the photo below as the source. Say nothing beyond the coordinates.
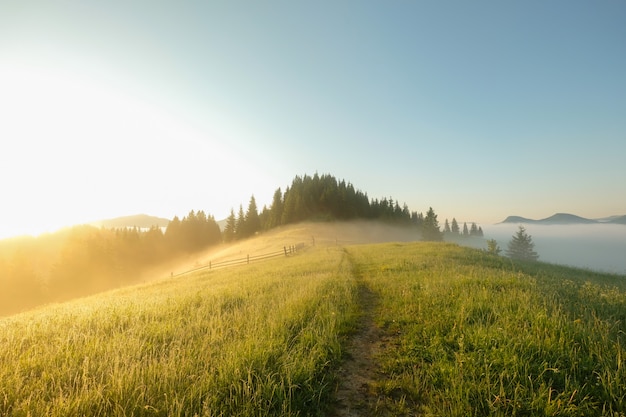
(76, 149)
(51, 120)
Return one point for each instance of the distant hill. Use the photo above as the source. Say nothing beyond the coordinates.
(518, 219)
(565, 218)
(558, 218)
(138, 220)
(618, 220)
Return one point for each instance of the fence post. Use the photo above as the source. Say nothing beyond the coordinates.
(248, 258)
(209, 264)
(285, 248)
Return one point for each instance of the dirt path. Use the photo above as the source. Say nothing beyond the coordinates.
(355, 395)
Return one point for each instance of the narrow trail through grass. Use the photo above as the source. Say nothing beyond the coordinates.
(463, 333)
(355, 396)
(398, 329)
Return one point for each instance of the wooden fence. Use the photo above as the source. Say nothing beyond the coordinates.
(286, 251)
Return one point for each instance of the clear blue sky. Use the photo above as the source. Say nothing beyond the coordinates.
(479, 109)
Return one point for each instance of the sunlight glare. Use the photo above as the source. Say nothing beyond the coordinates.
(75, 151)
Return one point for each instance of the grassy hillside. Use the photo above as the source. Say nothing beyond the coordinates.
(252, 340)
(472, 334)
(310, 233)
(457, 333)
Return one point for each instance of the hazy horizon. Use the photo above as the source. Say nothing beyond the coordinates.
(599, 247)
(488, 226)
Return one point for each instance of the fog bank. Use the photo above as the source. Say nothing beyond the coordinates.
(601, 247)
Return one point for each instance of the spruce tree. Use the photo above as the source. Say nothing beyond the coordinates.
(212, 229)
(492, 247)
(455, 227)
(276, 210)
(231, 226)
(288, 207)
(252, 223)
(417, 219)
(240, 224)
(430, 227)
(521, 246)
(173, 234)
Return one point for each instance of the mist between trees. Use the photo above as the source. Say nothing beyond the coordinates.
(600, 247)
(84, 260)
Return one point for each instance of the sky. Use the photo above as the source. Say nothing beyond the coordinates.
(479, 109)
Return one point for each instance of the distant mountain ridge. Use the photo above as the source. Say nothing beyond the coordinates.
(142, 221)
(618, 220)
(565, 218)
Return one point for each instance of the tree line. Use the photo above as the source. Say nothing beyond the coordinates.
(320, 198)
(84, 259)
(453, 229)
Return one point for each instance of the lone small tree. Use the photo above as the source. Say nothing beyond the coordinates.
(492, 247)
(521, 246)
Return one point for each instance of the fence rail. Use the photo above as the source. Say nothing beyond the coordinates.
(286, 251)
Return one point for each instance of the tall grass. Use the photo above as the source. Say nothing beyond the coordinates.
(248, 341)
(466, 334)
(471, 334)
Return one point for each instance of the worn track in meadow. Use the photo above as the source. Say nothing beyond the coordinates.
(356, 394)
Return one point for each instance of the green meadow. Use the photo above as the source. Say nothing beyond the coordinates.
(471, 334)
(462, 333)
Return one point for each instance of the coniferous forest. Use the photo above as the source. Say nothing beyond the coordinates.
(84, 259)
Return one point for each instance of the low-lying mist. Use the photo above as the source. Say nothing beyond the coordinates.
(601, 247)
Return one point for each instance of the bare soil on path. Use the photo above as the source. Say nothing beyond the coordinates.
(356, 393)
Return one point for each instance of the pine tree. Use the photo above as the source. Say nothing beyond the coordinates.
(465, 230)
(240, 224)
(214, 234)
(276, 210)
(446, 227)
(173, 234)
(264, 218)
(430, 227)
(492, 247)
(288, 207)
(231, 226)
(417, 219)
(521, 246)
(455, 227)
(252, 223)
(474, 230)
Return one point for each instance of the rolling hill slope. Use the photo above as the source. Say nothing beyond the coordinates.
(425, 322)
(142, 221)
(307, 233)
